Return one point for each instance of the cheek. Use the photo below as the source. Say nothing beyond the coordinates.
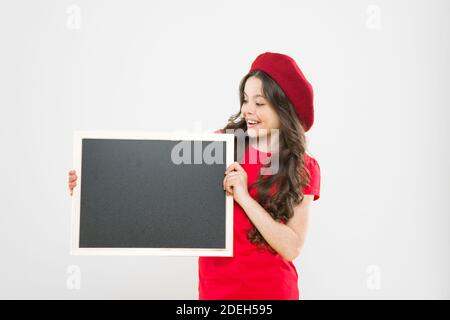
(272, 120)
(269, 117)
(276, 123)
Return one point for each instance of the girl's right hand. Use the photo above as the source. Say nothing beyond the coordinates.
(72, 180)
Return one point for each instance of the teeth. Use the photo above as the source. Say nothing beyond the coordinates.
(251, 122)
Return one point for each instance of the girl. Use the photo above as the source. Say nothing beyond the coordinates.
(270, 210)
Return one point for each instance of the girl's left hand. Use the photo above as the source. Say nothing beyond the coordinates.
(235, 182)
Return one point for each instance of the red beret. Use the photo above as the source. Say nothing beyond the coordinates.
(286, 73)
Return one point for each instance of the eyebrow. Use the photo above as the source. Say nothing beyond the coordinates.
(257, 95)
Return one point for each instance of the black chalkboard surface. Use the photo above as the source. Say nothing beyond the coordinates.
(152, 193)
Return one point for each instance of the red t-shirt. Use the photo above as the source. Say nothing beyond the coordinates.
(252, 273)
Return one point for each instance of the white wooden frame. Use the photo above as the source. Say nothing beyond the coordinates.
(140, 135)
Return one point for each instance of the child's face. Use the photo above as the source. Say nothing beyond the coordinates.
(257, 108)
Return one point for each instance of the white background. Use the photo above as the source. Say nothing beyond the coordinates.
(380, 71)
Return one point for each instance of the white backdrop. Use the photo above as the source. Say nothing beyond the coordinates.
(380, 71)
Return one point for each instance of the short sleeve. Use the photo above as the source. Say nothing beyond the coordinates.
(314, 171)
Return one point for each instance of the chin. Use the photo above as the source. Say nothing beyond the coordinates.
(257, 132)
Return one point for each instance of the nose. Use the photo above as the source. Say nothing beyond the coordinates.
(247, 109)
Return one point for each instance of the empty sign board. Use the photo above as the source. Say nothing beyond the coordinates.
(152, 193)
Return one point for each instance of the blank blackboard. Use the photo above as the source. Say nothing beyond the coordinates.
(152, 193)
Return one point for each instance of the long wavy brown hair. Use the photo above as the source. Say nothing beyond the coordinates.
(292, 175)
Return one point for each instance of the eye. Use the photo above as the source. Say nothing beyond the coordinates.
(260, 104)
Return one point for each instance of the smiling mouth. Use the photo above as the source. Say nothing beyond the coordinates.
(252, 123)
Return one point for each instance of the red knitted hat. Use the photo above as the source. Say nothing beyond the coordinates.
(286, 73)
